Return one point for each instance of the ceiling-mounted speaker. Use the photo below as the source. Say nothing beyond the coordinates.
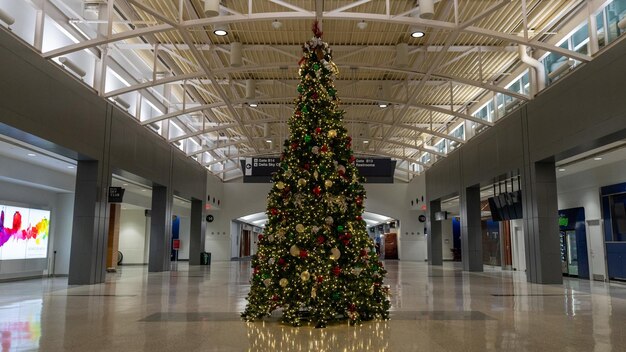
(402, 55)
(427, 9)
(250, 89)
(211, 8)
(236, 59)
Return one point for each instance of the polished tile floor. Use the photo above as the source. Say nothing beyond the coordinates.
(196, 309)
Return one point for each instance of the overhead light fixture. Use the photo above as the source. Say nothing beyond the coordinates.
(69, 64)
(417, 32)
(561, 169)
(121, 102)
(597, 158)
(220, 29)
(361, 25)
(125, 184)
(236, 60)
(6, 18)
(211, 8)
(366, 142)
(382, 105)
(268, 140)
(253, 104)
(277, 24)
(31, 154)
(427, 9)
(71, 167)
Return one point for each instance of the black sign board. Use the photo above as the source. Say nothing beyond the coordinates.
(209, 218)
(116, 194)
(375, 170)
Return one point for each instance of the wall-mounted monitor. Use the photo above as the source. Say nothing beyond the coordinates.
(23, 232)
(441, 215)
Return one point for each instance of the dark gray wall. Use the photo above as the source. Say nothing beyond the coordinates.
(582, 111)
(41, 103)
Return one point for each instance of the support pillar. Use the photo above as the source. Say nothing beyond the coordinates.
(160, 229)
(541, 224)
(197, 232)
(90, 225)
(471, 231)
(435, 255)
(115, 212)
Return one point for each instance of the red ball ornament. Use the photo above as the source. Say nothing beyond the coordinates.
(282, 261)
(352, 158)
(317, 190)
(256, 270)
(274, 211)
(274, 298)
(298, 113)
(346, 241)
(294, 146)
(260, 238)
(359, 217)
(320, 279)
(349, 139)
(363, 253)
(304, 253)
(324, 148)
(307, 166)
(352, 307)
(358, 200)
(314, 96)
(321, 239)
(318, 130)
(341, 172)
(336, 271)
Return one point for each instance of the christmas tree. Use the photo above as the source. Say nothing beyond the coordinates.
(315, 259)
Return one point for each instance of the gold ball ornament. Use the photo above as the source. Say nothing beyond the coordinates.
(332, 133)
(329, 220)
(294, 250)
(305, 276)
(280, 185)
(335, 253)
(302, 182)
(316, 174)
(313, 293)
(300, 228)
(328, 183)
(267, 282)
(283, 282)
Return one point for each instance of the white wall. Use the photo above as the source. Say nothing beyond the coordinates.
(132, 236)
(583, 190)
(393, 200)
(518, 246)
(447, 236)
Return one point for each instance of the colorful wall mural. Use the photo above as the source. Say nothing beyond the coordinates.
(23, 233)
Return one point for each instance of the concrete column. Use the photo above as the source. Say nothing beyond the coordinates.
(196, 231)
(541, 229)
(471, 231)
(435, 256)
(90, 225)
(160, 229)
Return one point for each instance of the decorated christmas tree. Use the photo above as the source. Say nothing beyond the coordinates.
(315, 259)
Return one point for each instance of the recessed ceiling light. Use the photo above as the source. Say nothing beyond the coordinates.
(143, 190)
(268, 140)
(253, 105)
(71, 167)
(125, 184)
(220, 32)
(277, 24)
(382, 105)
(417, 33)
(561, 169)
(32, 154)
(366, 142)
(597, 158)
(361, 25)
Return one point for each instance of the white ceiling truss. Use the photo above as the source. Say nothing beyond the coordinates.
(168, 56)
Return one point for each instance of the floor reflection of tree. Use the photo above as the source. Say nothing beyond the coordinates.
(274, 336)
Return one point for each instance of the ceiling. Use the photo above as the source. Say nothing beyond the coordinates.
(169, 57)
